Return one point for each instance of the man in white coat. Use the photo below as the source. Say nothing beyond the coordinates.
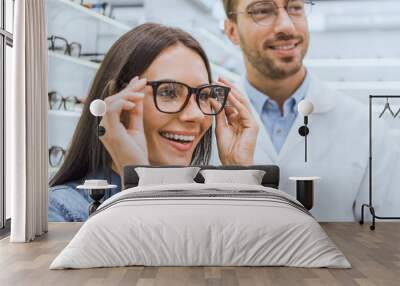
(274, 39)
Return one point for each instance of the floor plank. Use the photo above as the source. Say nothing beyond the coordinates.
(374, 255)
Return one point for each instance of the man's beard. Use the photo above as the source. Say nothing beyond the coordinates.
(265, 64)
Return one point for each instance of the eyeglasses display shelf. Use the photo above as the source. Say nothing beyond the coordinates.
(74, 60)
(82, 12)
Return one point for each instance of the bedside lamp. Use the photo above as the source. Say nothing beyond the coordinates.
(95, 187)
(305, 108)
(98, 108)
(305, 185)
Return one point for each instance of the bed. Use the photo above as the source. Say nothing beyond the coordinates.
(201, 224)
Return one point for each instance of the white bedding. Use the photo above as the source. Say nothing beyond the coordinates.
(265, 229)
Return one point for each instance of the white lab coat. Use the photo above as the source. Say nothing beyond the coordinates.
(338, 153)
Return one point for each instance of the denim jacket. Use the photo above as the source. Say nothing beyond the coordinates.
(67, 203)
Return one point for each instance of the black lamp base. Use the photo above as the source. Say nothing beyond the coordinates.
(305, 193)
(96, 195)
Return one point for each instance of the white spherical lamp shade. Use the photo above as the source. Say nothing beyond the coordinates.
(98, 107)
(305, 107)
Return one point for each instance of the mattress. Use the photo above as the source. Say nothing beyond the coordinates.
(201, 225)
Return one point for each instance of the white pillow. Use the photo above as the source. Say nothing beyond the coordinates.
(248, 177)
(163, 176)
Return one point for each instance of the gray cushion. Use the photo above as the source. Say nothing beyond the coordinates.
(270, 179)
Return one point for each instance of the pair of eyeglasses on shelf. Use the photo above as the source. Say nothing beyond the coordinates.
(265, 12)
(57, 101)
(56, 156)
(74, 49)
(172, 96)
(56, 43)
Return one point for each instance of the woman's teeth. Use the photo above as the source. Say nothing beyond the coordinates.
(177, 137)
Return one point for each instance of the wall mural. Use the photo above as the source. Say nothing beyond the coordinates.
(162, 107)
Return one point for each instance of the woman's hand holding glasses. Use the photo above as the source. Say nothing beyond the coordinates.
(236, 129)
(125, 139)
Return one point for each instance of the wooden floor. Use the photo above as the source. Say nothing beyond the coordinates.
(374, 255)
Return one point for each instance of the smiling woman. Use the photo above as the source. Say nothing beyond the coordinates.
(156, 82)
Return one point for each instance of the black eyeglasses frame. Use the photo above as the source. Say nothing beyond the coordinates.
(63, 100)
(191, 90)
(68, 45)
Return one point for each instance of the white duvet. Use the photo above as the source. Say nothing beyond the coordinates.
(184, 230)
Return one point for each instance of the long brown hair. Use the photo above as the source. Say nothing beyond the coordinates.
(129, 56)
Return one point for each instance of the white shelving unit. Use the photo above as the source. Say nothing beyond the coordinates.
(74, 60)
(64, 113)
(216, 69)
(61, 127)
(62, 5)
(362, 89)
(70, 75)
(369, 62)
(356, 70)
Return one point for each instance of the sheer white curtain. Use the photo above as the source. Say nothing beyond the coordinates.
(26, 119)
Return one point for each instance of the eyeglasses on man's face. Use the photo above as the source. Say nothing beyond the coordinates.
(173, 96)
(265, 12)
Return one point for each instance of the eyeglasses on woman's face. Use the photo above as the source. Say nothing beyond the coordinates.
(173, 96)
(265, 12)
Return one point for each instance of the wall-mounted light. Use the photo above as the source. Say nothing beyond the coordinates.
(98, 108)
(305, 108)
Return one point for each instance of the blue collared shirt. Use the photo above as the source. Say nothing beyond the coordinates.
(277, 124)
(67, 203)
